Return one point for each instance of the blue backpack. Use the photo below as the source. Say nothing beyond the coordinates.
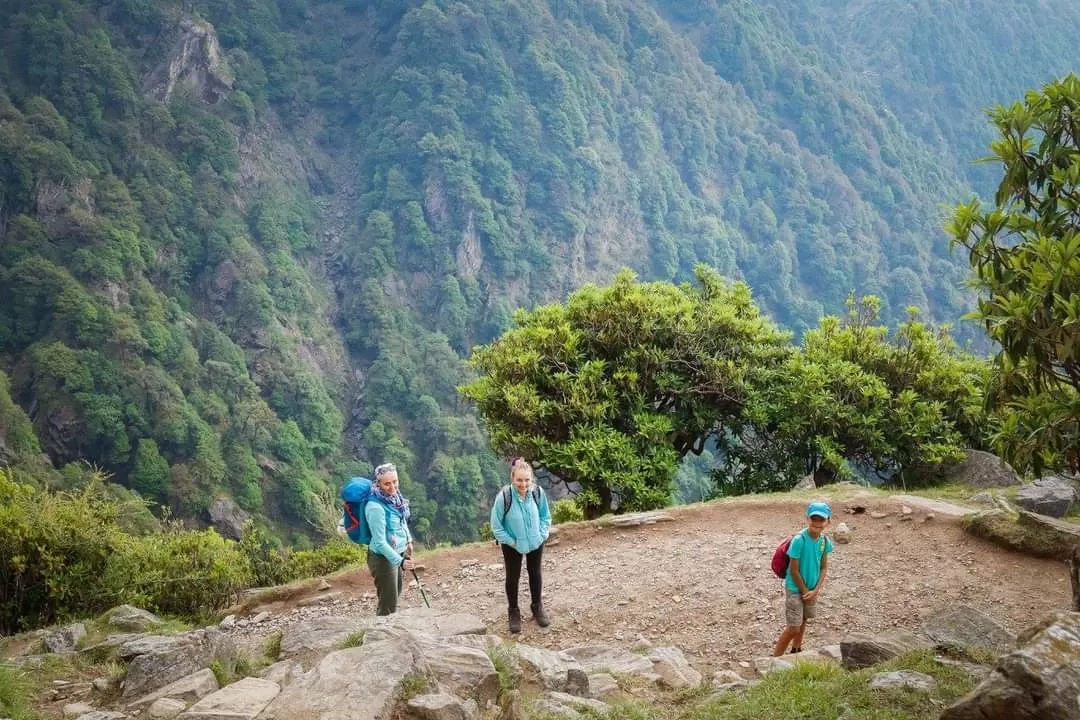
(356, 494)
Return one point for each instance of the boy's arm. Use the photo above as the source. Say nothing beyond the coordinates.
(796, 576)
(821, 580)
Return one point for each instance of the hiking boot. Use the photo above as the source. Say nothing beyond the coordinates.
(515, 620)
(540, 615)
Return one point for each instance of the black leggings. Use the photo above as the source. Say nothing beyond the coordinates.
(512, 560)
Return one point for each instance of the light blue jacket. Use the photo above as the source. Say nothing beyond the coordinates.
(526, 524)
(391, 545)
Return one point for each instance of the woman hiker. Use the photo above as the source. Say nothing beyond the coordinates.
(390, 552)
(520, 522)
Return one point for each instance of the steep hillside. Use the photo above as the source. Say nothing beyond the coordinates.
(244, 246)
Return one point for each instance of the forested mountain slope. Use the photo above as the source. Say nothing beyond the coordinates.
(245, 245)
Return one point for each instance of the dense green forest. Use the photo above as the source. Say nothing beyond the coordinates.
(245, 246)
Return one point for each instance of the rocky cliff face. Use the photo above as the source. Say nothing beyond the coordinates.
(194, 63)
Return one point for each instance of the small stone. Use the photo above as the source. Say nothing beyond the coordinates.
(228, 621)
(903, 678)
(878, 515)
(842, 534)
(261, 617)
(905, 510)
(929, 516)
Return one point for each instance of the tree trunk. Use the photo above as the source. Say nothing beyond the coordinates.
(1074, 575)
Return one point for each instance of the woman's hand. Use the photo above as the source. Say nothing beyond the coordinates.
(408, 564)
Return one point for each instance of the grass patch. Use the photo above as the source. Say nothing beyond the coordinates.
(412, 685)
(1007, 531)
(247, 666)
(272, 646)
(353, 639)
(504, 668)
(951, 492)
(818, 691)
(15, 693)
(221, 673)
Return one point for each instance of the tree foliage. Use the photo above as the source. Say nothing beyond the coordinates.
(859, 402)
(611, 389)
(1025, 253)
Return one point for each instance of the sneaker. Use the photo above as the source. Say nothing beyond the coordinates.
(515, 620)
(540, 615)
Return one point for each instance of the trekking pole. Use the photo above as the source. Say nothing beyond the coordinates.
(420, 587)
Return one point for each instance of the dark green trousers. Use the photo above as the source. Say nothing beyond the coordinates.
(388, 580)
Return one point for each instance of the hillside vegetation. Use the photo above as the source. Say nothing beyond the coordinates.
(244, 247)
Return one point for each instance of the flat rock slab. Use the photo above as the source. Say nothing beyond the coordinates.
(192, 688)
(939, 507)
(319, 634)
(243, 700)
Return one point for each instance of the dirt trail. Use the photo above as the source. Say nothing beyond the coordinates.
(702, 581)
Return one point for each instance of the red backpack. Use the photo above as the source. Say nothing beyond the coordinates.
(780, 558)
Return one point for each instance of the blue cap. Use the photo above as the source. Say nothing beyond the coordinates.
(819, 508)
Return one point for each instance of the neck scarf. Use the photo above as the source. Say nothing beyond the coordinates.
(396, 502)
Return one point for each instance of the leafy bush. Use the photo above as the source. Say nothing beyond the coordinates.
(178, 572)
(566, 510)
(274, 565)
(66, 554)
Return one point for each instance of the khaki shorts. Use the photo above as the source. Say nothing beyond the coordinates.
(796, 611)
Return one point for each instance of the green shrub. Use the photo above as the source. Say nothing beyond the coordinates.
(566, 510)
(53, 552)
(273, 565)
(178, 572)
(334, 555)
(66, 555)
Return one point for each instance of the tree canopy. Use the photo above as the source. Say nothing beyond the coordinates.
(611, 389)
(1025, 253)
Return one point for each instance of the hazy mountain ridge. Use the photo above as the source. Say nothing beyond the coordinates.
(243, 280)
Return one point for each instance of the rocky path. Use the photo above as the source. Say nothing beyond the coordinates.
(702, 581)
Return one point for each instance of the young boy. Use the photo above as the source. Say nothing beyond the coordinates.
(808, 560)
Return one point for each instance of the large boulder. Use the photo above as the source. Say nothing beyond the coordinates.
(353, 684)
(859, 650)
(228, 518)
(1051, 496)
(556, 671)
(982, 470)
(158, 660)
(131, 618)
(1038, 681)
(964, 626)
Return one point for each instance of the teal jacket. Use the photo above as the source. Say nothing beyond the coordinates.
(525, 525)
(390, 544)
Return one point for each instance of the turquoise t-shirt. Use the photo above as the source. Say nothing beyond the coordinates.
(809, 554)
